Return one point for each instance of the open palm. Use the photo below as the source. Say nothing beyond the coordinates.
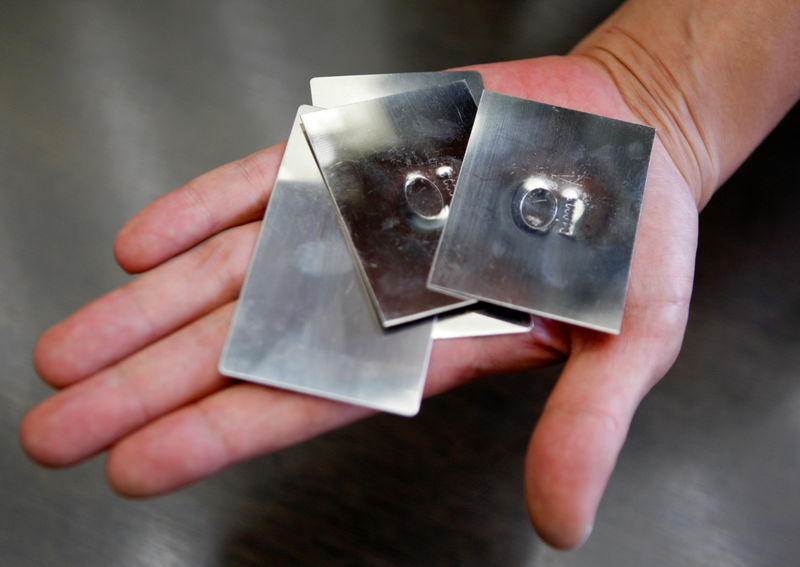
(136, 368)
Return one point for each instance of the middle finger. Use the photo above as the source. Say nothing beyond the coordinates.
(131, 317)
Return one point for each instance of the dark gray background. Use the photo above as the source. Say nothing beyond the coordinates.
(107, 105)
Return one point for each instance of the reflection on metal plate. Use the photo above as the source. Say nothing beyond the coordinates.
(481, 320)
(303, 321)
(347, 89)
(391, 164)
(336, 91)
(545, 212)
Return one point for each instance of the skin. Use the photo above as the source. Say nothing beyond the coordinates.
(136, 369)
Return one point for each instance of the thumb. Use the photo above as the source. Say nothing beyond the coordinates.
(575, 445)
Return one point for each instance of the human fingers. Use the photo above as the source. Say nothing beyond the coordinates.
(146, 309)
(582, 428)
(234, 424)
(246, 420)
(227, 196)
(89, 416)
(98, 412)
(584, 424)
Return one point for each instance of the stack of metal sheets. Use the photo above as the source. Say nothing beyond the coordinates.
(404, 197)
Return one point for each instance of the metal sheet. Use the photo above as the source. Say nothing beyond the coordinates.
(545, 212)
(347, 89)
(390, 164)
(303, 321)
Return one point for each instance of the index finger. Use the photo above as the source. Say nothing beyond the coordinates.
(224, 197)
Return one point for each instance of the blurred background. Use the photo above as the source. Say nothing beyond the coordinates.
(105, 105)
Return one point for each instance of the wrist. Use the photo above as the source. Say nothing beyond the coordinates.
(655, 96)
(712, 78)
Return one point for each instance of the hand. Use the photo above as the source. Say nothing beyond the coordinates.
(136, 368)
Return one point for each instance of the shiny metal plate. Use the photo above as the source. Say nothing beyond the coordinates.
(545, 212)
(391, 164)
(347, 89)
(303, 321)
(482, 320)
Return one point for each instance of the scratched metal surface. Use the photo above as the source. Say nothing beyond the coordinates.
(391, 165)
(106, 105)
(545, 212)
(303, 320)
(482, 320)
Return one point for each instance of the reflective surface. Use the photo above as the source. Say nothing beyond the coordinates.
(481, 320)
(391, 164)
(346, 89)
(545, 212)
(303, 321)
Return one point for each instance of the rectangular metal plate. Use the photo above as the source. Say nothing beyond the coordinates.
(390, 164)
(347, 89)
(545, 212)
(303, 321)
(483, 319)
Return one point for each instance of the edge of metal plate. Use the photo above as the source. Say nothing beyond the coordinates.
(303, 322)
(481, 320)
(545, 212)
(329, 92)
(383, 161)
